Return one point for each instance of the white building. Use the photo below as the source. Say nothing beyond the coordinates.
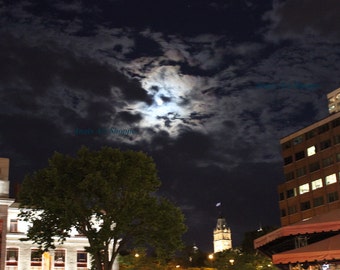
(23, 255)
(222, 236)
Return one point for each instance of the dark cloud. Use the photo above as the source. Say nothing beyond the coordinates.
(145, 47)
(296, 19)
(206, 94)
(128, 117)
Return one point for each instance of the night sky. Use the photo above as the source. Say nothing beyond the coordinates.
(206, 87)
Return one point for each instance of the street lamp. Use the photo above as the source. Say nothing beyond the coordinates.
(232, 261)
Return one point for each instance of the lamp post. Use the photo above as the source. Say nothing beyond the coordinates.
(231, 261)
(211, 259)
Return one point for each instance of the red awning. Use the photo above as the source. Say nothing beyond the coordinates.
(322, 223)
(325, 250)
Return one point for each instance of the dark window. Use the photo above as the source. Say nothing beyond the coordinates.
(288, 160)
(318, 201)
(291, 193)
(81, 259)
(299, 155)
(310, 134)
(292, 209)
(281, 196)
(336, 123)
(286, 145)
(325, 144)
(323, 128)
(36, 257)
(301, 171)
(332, 197)
(297, 140)
(283, 212)
(12, 255)
(314, 166)
(336, 139)
(337, 157)
(289, 176)
(305, 205)
(327, 161)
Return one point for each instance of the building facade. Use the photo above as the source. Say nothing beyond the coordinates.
(309, 197)
(222, 236)
(311, 168)
(24, 255)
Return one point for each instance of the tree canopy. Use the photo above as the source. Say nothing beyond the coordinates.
(109, 196)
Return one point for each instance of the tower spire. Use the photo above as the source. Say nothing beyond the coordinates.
(222, 233)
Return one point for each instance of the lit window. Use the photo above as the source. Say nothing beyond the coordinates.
(311, 150)
(13, 225)
(304, 188)
(331, 179)
(317, 184)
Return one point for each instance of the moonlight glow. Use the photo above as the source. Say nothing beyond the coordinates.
(171, 93)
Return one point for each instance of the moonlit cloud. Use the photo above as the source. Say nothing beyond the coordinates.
(209, 89)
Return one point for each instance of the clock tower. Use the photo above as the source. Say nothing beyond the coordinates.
(222, 236)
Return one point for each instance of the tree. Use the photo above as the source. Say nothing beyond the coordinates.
(109, 196)
(237, 259)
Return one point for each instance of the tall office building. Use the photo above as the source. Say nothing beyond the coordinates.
(309, 197)
(311, 168)
(222, 236)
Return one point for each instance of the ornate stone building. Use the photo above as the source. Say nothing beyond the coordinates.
(222, 236)
(23, 255)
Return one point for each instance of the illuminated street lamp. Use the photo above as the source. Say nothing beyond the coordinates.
(211, 256)
(232, 261)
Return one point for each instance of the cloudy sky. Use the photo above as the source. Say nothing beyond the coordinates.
(206, 87)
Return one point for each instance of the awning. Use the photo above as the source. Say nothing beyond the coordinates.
(325, 250)
(322, 223)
